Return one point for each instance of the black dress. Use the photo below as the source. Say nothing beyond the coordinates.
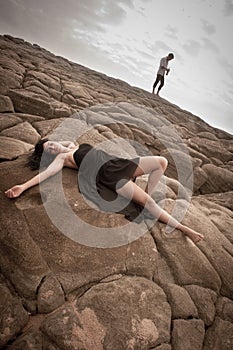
(100, 174)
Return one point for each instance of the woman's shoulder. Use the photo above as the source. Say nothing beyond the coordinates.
(85, 146)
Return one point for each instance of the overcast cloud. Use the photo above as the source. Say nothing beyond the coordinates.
(228, 8)
(207, 27)
(126, 39)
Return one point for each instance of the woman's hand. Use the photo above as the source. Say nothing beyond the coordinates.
(68, 144)
(71, 145)
(14, 191)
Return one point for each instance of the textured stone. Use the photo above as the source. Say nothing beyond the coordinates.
(218, 179)
(29, 117)
(163, 347)
(224, 199)
(186, 261)
(28, 102)
(6, 121)
(24, 132)
(219, 336)
(182, 305)
(6, 104)
(12, 148)
(13, 317)
(76, 90)
(45, 127)
(9, 80)
(45, 79)
(50, 295)
(224, 309)
(200, 177)
(188, 335)
(23, 263)
(212, 148)
(147, 320)
(68, 328)
(30, 340)
(204, 299)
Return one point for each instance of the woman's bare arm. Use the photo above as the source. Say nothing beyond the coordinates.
(67, 144)
(52, 169)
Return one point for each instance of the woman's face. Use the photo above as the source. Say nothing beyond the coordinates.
(52, 147)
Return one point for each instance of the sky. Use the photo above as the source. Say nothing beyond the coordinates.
(126, 40)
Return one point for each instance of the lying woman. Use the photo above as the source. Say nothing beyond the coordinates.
(114, 173)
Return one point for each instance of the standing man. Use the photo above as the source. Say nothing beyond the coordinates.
(163, 67)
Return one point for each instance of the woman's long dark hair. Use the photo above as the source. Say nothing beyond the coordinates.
(35, 160)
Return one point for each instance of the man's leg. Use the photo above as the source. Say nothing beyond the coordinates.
(155, 83)
(161, 83)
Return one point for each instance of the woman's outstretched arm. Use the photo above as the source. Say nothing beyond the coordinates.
(52, 169)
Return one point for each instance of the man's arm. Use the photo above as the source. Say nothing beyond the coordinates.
(52, 169)
(163, 64)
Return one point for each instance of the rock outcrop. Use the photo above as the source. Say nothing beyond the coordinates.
(74, 277)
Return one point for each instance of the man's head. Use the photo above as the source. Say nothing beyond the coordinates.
(170, 56)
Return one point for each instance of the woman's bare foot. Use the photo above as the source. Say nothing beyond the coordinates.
(193, 235)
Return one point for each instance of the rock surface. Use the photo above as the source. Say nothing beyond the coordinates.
(73, 277)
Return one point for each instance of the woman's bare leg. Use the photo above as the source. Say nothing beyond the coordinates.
(155, 166)
(132, 191)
